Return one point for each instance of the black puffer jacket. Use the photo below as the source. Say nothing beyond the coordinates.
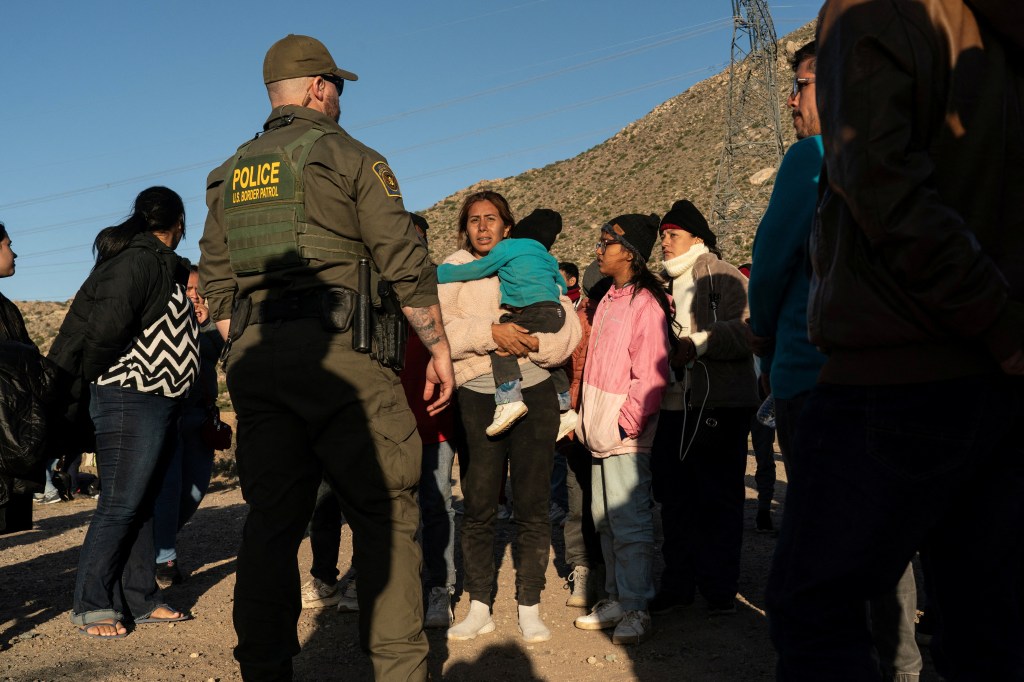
(120, 298)
(24, 389)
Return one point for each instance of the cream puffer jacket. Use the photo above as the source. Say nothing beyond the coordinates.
(470, 308)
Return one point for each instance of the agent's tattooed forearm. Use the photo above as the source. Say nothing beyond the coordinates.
(426, 323)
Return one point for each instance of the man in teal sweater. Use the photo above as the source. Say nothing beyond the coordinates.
(778, 291)
(781, 274)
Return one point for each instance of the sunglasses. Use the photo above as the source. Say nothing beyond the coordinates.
(339, 83)
(798, 85)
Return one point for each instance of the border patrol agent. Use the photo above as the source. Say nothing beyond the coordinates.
(290, 216)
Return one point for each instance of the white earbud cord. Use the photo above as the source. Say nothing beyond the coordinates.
(686, 416)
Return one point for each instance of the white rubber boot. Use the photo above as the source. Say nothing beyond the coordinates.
(531, 625)
(478, 622)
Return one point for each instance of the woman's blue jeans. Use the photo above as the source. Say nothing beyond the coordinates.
(136, 434)
(188, 478)
(435, 497)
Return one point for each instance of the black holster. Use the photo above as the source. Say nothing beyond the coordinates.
(337, 308)
(390, 330)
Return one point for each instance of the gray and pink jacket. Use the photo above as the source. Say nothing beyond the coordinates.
(625, 374)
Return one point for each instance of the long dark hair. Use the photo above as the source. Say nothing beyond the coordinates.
(156, 209)
(643, 279)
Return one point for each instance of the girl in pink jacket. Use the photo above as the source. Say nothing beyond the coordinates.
(623, 382)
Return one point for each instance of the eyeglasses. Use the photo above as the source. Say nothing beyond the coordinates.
(603, 244)
(798, 85)
(339, 83)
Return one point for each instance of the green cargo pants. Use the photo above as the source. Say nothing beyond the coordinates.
(309, 406)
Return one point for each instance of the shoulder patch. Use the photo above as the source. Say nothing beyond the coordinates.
(387, 178)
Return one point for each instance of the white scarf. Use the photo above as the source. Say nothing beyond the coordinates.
(684, 287)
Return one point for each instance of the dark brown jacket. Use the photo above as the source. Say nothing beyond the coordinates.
(918, 251)
(724, 374)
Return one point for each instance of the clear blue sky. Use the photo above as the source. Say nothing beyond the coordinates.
(106, 98)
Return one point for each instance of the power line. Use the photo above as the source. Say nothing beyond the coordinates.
(553, 112)
(109, 185)
(518, 152)
(685, 34)
(536, 79)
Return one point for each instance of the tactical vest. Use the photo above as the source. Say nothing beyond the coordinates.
(265, 211)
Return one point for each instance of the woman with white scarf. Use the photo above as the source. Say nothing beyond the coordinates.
(699, 454)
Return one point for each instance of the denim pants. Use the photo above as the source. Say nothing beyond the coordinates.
(763, 439)
(892, 614)
(48, 486)
(529, 449)
(787, 417)
(582, 542)
(886, 471)
(136, 434)
(702, 500)
(624, 518)
(435, 496)
(325, 534)
(185, 485)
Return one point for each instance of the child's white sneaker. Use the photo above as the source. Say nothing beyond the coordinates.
(566, 422)
(505, 416)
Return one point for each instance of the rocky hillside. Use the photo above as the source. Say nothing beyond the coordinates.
(671, 153)
(43, 320)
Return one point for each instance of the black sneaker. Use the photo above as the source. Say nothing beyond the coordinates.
(666, 602)
(763, 524)
(167, 574)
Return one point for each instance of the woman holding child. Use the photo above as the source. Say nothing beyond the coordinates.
(472, 312)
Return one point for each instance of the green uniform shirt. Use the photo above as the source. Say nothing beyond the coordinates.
(350, 191)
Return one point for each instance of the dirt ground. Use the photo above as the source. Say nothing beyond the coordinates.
(38, 642)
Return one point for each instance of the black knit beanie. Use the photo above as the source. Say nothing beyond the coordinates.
(543, 225)
(685, 216)
(639, 232)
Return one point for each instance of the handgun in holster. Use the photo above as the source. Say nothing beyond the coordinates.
(390, 330)
(240, 314)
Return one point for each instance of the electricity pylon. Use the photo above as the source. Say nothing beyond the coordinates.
(753, 140)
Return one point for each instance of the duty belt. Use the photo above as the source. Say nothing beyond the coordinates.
(278, 309)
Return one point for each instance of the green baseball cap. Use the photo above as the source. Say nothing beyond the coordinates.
(295, 56)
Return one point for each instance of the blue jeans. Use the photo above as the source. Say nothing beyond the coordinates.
(48, 486)
(624, 518)
(886, 471)
(136, 434)
(763, 439)
(787, 418)
(438, 516)
(582, 542)
(188, 477)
